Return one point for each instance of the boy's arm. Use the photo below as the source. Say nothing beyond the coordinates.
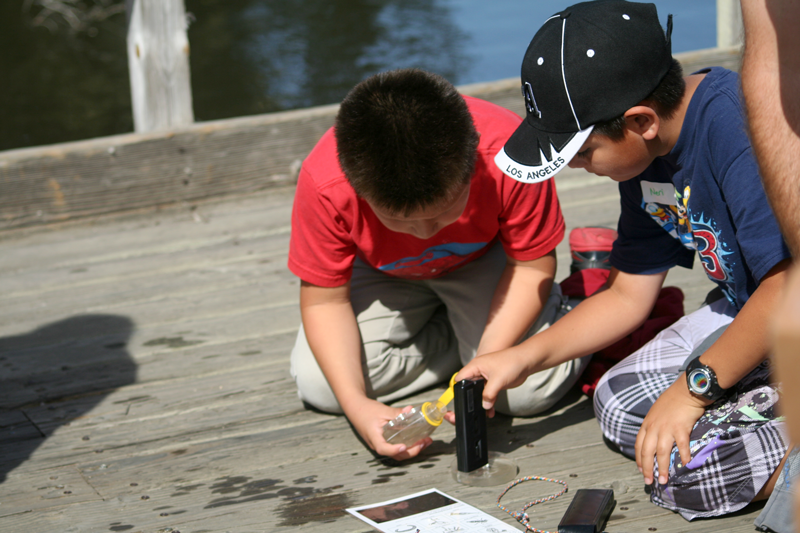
(333, 336)
(597, 322)
(742, 347)
(770, 77)
(518, 299)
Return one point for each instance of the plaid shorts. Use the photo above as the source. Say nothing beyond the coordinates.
(736, 445)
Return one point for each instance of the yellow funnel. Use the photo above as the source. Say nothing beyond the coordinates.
(434, 414)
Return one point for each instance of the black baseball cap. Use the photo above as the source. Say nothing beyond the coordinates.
(587, 64)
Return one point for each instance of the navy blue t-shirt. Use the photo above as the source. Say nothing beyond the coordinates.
(704, 197)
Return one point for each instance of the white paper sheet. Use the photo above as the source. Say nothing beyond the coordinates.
(430, 511)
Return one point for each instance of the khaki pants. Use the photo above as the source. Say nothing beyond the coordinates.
(417, 333)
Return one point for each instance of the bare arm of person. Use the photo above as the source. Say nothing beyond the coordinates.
(770, 77)
(597, 322)
(335, 341)
(770, 83)
(519, 298)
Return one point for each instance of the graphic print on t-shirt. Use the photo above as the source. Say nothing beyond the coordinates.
(714, 252)
(665, 216)
(439, 258)
(706, 240)
(664, 205)
(711, 251)
(695, 232)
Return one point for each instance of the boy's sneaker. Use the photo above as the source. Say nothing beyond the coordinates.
(590, 247)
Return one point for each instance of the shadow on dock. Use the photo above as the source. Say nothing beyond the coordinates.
(55, 374)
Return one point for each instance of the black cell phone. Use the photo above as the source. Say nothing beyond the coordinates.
(472, 451)
(588, 512)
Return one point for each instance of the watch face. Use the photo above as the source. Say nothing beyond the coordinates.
(699, 381)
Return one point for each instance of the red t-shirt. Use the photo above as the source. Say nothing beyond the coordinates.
(331, 225)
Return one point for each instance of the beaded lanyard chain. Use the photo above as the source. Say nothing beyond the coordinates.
(522, 516)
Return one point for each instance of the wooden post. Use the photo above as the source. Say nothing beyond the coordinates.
(158, 61)
(729, 23)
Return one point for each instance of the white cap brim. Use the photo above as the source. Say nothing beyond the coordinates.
(545, 171)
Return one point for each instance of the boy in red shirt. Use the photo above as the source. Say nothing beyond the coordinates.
(416, 253)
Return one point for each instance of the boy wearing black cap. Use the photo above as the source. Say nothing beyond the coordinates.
(694, 407)
(415, 253)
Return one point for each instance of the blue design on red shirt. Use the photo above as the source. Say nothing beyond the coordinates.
(442, 253)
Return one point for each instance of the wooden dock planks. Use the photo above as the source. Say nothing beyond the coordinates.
(144, 378)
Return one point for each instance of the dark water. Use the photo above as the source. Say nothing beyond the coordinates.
(255, 56)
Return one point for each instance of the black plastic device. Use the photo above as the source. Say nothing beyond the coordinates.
(472, 451)
(588, 512)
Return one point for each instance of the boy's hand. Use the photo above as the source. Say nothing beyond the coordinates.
(742, 347)
(669, 421)
(502, 370)
(370, 416)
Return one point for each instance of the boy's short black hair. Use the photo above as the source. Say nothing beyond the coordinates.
(665, 99)
(406, 140)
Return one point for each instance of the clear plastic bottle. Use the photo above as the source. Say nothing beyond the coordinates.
(411, 427)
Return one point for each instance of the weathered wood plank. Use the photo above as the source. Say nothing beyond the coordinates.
(52, 487)
(730, 30)
(183, 230)
(90, 369)
(141, 171)
(217, 286)
(158, 63)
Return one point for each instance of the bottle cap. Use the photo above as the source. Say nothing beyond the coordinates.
(433, 412)
(447, 396)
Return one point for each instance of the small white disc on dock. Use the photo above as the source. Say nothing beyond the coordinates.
(498, 471)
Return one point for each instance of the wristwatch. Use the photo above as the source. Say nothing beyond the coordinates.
(702, 381)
